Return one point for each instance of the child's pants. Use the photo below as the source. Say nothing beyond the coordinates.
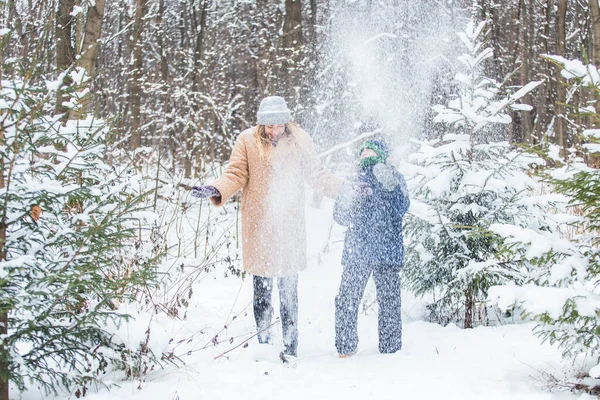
(347, 302)
(288, 307)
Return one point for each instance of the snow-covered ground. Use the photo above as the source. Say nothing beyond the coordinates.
(436, 362)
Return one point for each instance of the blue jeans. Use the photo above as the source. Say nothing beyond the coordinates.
(347, 302)
(288, 308)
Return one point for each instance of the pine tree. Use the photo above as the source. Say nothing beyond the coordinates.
(561, 289)
(466, 181)
(72, 251)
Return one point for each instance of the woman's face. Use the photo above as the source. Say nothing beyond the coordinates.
(274, 131)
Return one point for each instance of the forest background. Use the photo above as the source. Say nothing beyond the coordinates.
(149, 96)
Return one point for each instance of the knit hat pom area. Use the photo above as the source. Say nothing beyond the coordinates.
(273, 110)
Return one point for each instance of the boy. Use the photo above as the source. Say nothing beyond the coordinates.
(372, 208)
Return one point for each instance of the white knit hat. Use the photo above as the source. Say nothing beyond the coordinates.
(273, 111)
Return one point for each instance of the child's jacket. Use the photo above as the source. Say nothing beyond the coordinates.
(374, 222)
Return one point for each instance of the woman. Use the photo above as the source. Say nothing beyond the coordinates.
(270, 164)
(372, 208)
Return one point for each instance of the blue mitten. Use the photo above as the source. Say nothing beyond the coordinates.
(386, 175)
(203, 192)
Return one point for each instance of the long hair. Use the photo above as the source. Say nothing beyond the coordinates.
(300, 138)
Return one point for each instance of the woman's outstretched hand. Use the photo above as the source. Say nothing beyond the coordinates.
(202, 192)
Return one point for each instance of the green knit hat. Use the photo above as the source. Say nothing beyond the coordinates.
(379, 147)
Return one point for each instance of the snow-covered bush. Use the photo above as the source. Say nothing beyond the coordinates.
(463, 183)
(64, 275)
(561, 290)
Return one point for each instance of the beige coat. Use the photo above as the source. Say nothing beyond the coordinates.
(273, 201)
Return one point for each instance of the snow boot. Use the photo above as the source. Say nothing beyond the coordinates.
(347, 355)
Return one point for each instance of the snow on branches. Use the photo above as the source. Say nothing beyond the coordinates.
(65, 274)
(464, 183)
(561, 290)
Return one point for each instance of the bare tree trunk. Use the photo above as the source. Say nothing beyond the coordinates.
(560, 127)
(89, 49)
(292, 24)
(78, 30)
(4, 354)
(469, 307)
(65, 52)
(122, 106)
(198, 25)
(595, 56)
(187, 166)
(2, 12)
(135, 89)
(93, 29)
(545, 95)
(14, 19)
(164, 63)
(4, 371)
(266, 70)
(164, 76)
(514, 34)
(495, 37)
(199, 48)
(595, 21)
(313, 21)
(292, 44)
(4, 361)
(524, 46)
(595, 17)
(311, 71)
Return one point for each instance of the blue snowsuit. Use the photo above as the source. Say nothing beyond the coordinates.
(373, 244)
